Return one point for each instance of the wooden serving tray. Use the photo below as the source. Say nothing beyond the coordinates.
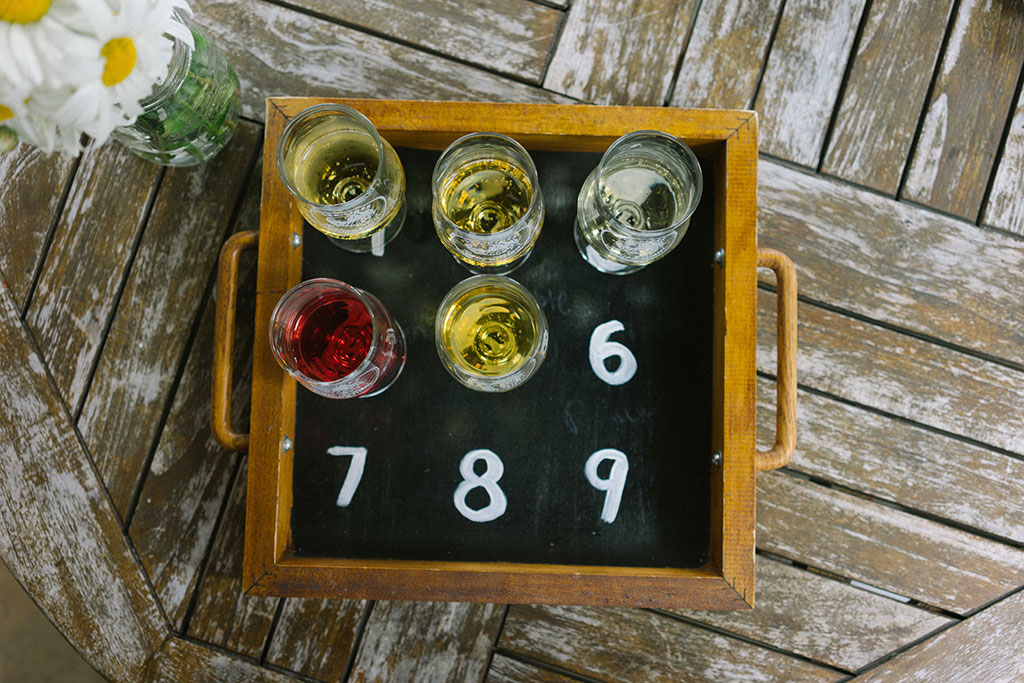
(284, 555)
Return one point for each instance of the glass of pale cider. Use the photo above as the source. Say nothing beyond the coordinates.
(635, 207)
(486, 202)
(490, 333)
(346, 179)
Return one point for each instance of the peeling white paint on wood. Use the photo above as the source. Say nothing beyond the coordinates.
(1005, 208)
(887, 548)
(723, 58)
(618, 51)
(509, 36)
(58, 532)
(316, 637)
(971, 102)
(890, 261)
(825, 620)
(803, 74)
(280, 52)
(634, 645)
(902, 462)
(885, 92)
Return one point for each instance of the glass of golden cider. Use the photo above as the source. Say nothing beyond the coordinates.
(635, 207)
(486, 202)
(490, 333)
(346, 179)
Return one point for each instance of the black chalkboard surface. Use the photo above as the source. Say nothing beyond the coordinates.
(417, 432)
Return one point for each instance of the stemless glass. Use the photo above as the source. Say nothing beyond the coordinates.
(336, 340)
(346, 179)
(635, 207)
(486, 202)
(490, 333)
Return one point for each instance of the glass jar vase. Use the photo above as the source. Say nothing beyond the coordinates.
(191, 115)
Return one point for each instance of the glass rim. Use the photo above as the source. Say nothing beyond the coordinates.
(468, 285)
(364, 197)
(336, 284)
(686, 152)
(531, 170)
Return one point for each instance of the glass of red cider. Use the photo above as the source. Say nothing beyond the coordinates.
(336, 340)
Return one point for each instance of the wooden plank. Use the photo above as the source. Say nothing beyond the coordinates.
(883, 547)
(223, 615)
(405, 641)
(728, 38)
(982, 648)
(507, 670)
(156, 312)
(901, 375)
(269, 46)
(58, 532)
(886, 260)
(90, 252)
(183, 660)
(620, 52)
(968, 109)
(630, 645)
(512, 37)
(903, 463)
(1005, 208)
(803, 74)
(316, 637)
(33, 184)
(825, 620)
(190, 473)
(885, 92)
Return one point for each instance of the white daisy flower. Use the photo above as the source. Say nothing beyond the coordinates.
(40, 44)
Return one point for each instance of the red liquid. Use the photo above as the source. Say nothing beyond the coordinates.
(331, 336)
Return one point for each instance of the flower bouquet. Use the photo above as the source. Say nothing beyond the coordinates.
(73, 73)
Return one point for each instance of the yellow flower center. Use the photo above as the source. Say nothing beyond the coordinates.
(120, 56)
(23, 11)
(5, 112)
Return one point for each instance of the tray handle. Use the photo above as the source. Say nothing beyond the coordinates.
(785, 400)
(224, 340)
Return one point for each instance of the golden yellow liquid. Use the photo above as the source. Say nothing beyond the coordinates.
(332, 165)
(489, 331)
(486, 196)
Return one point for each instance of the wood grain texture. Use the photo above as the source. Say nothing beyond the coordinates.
(903, 463)
(883, 547)
(885, 92)
(901, 375)
(512, 37)
(629, 645)
(507, 670)
(183, 660)
(724, 56)
(982, 648)
(1005, 207)
(405, 641)
(803, 74)
(156, 313)
(825, 620)
(91, 249)
(620, 52)
(223, 616)
(190, 473)
(59, 534)
(278, 51)
(969, 106)
(316, 637)
(33, 183)
(890, 261)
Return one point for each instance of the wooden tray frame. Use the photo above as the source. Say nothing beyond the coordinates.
(729, 140)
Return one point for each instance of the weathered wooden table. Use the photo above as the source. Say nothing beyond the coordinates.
(892, 139)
